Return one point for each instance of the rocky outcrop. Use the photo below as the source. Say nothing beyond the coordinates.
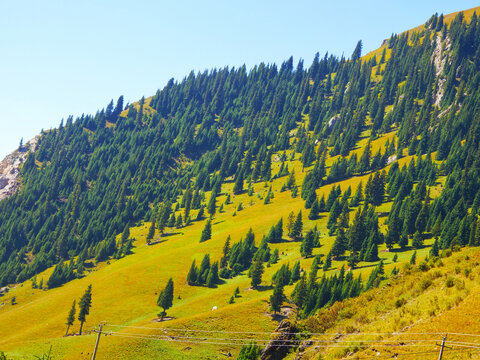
(10, 169)
(439, 58)
(276, 349)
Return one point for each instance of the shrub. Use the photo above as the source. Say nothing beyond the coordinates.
(400, 302)
(423, 266)
(425, 284)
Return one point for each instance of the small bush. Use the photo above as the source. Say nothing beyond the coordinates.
(450, 282)
(423, 266)
(460, 285)
(447, 253)
(400, 302)
(425, 284)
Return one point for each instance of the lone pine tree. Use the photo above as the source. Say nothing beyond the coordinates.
(70, 317)
(207, 231)
(84, 306)
(165, 298)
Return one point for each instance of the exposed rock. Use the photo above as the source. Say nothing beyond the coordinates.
(439, 59)
(276, 349)
(391, 159)
(305, 344)
(333, 120)
(10, 169)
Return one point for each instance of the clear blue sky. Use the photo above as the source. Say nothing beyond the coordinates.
(62, 57)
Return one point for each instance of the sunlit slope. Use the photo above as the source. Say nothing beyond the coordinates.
(409, 314)
(125, 291)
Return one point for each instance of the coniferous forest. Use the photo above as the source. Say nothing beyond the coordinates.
(94, 177)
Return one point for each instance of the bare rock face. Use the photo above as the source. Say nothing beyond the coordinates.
(10, 169)
(276, 349)
(439, 57)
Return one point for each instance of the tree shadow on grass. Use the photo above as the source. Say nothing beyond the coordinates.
(156, 242)
(372, 265)
(166, 234)
(264, 288)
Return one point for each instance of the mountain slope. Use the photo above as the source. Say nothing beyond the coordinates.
(337, 124)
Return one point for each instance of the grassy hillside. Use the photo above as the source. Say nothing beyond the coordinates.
(167, 153)
(124, 291)
(409, 314)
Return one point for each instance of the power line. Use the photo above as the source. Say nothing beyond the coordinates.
(268, 340)
(292, 333)
(352, 343)
(242, 342)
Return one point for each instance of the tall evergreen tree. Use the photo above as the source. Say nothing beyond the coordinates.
(71, 317)
(257, 272)
(207, 231)
(192, 274)
(307, 244)
(276, 299)
(84, 306)
(297, 228)
(357, 52)
(165, 298)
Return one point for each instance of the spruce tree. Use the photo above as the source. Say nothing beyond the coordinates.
(413, 259)
(295, 274)
(206, 232)
(314, 211)
(357, 233)
(358, 196)
(276, 299)
(200, 213)
(300, 294)
(71, 317)
(226, 251)
(422, 219)
(417, 241)
(126, 233)
(238, 187)
(357, 52)
(278, 231)
(179, 221)
(211, 208)
(307, 244)
(165, 298)
(434, 251)
(257, 272)
(192, 274)
(296, 232)
(328, 262)
(171, 221)
(151, 230)
(84, 306)
(204, 269)
(364, 162)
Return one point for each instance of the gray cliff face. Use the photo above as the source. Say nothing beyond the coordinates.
(10, 169)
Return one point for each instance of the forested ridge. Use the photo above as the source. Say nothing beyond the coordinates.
(95, 176)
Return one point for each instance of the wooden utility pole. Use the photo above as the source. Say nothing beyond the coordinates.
(441, 348)
(99, 333)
